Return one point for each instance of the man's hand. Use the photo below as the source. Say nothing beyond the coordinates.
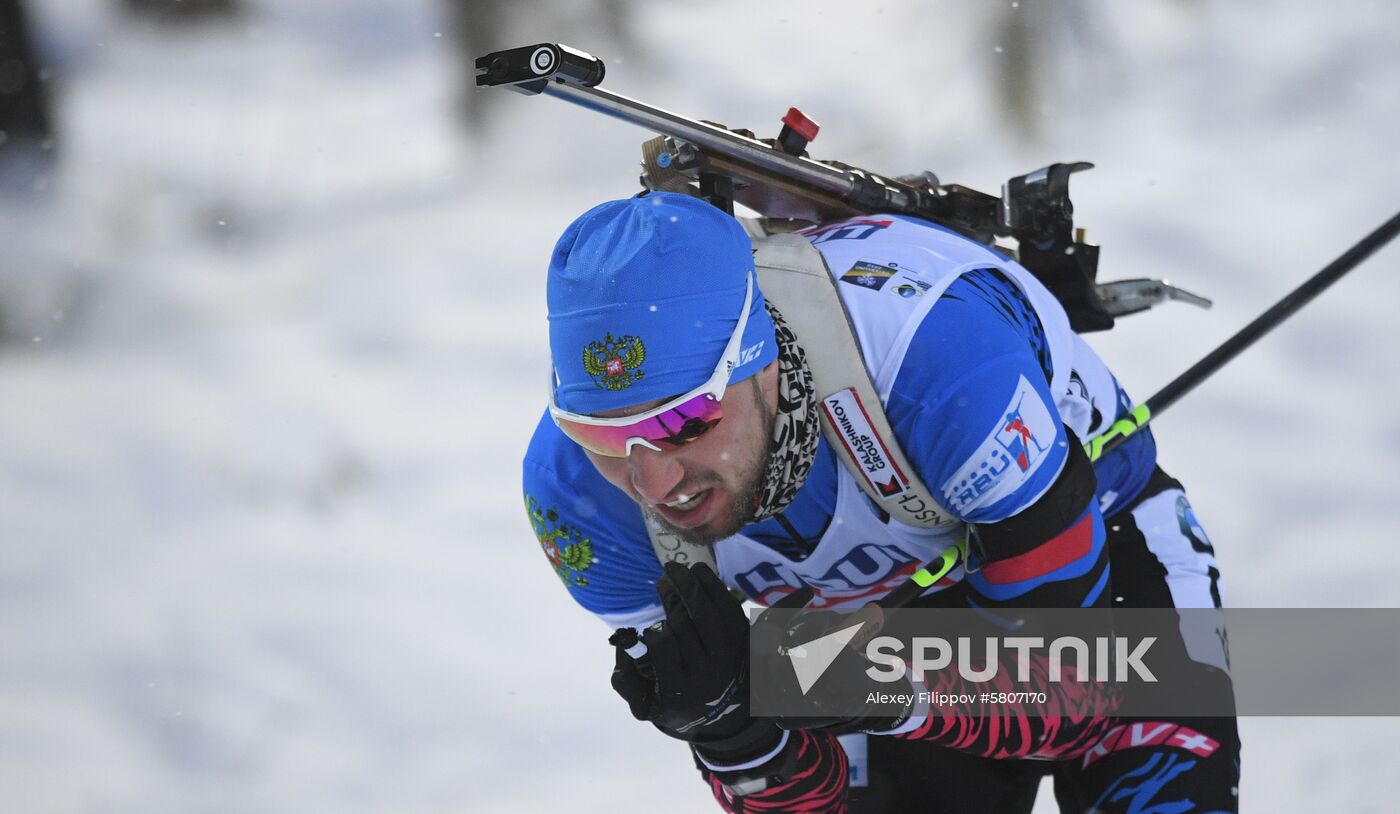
(689, 674)
(812, 624)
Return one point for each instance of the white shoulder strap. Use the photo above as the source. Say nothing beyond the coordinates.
(794, 276)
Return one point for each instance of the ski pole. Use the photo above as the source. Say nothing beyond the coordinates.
(1248, 335)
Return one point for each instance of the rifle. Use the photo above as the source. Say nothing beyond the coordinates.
(789, 189)
(777, 179)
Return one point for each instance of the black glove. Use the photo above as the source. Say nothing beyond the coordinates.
(692, 682)
(829, 712)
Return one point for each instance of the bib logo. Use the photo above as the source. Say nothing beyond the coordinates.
(853, 229)
(874, 276)
(909, 287)
(845, 412)
(1008, 456)
(868, 275)
(867, 571)
(613, 363)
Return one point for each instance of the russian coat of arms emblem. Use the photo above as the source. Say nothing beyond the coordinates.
(613, 363)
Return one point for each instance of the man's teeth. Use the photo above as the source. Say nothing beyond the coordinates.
(682, 502)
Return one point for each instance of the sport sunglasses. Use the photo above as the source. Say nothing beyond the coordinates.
(673, 424)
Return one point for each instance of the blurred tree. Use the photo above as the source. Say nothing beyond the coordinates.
(24, 103)
(1018, 54)
(478, 27)
(1033, 44)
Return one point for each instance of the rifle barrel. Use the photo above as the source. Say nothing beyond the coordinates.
(705, 136)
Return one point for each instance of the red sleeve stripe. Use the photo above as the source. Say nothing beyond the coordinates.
(1059, 551)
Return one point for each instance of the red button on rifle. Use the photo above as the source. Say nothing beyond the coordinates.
(797, 131)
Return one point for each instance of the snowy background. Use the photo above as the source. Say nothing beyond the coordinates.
(274, 341)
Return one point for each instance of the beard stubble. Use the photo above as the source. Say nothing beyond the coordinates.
(744, 503)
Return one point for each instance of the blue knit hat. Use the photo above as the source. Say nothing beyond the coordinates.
(643, 295)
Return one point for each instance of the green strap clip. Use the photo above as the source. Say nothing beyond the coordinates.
(1122, 428)
(946, 562)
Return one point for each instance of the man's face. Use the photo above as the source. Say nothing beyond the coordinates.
(721, 472)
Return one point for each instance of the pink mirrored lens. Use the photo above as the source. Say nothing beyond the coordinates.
(676, 427)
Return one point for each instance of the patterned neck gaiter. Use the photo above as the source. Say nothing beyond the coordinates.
(796, 427)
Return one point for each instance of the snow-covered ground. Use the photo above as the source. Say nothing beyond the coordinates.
(261, 539)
